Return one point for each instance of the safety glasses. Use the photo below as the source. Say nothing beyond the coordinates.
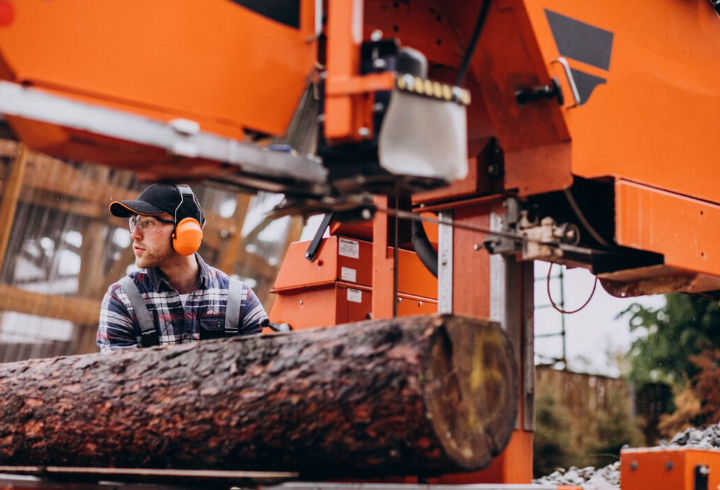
(147, 224)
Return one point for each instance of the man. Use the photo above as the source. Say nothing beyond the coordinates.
(176, 298)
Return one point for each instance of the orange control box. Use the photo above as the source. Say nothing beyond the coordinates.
(336, 286)
(678, 468)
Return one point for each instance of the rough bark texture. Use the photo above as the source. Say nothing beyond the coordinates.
(415, 395)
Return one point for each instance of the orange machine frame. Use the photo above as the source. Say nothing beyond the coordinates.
(641, 88)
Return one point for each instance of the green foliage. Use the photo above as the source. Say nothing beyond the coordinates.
(552, 435)
(613, 430)
(685, 326)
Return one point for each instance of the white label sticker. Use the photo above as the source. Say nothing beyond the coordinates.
(349, 248)
(354, 295)
(348, 274)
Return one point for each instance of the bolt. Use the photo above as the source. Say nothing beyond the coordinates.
(301, 302)
(378, 107)
(477, 247)
(376, 35)
(669, 465)
(420, 303)
(633, 465)
(366, 214)
(364, 132)
(409, 81)
(380, 64)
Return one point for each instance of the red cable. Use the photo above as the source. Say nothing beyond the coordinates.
(553, 303)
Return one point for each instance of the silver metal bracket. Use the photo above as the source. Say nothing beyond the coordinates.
(571, 80)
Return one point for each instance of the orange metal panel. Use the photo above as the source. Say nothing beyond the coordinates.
(336, 253)
(335, 261)
(684, 230)
(651, 119)
(382, 265)
(505, 63)
(422, 25)
(306, 309)
(353, 303)
(667, 468)
(371, 82)
(344, 33)
(217, 63)
(415, 305)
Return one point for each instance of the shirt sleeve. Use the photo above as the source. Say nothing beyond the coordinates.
(115, 330)
(252, 313)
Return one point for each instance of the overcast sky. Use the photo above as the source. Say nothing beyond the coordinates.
(592, 332)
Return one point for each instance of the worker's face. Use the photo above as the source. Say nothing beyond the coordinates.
(152, 248)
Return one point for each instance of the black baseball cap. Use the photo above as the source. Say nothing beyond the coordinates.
(159, 199)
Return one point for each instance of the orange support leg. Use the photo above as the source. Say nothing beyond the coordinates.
(501, 289)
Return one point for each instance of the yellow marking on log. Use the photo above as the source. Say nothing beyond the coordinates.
(484, 373)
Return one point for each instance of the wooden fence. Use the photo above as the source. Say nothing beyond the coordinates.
(583, 395)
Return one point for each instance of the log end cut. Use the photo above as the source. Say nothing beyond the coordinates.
(471, 389)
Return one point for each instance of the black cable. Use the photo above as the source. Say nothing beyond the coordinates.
(424, 250)
(583, 220)
(473, 43)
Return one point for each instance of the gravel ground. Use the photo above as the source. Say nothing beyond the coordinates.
(608, 478)
(703, 438)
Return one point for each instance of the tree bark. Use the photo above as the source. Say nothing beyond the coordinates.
(407, 396)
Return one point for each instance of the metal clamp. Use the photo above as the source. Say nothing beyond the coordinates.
(571, 80)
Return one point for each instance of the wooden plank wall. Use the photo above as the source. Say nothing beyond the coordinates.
(582, 394)
(43, 198)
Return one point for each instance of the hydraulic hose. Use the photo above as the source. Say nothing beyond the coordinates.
(425, 251)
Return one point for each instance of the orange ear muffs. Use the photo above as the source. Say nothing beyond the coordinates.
(187, 237)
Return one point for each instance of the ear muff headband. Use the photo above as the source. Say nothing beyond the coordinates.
(187, 235)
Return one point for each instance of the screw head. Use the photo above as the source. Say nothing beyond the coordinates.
(376, 35)
(477, 247)
(364, 132)
(380, 64)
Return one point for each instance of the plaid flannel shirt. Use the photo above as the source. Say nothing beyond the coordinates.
(119, 329)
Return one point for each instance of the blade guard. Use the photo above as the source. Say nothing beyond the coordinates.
(424, 137)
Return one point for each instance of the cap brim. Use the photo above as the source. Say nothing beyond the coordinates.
(125, 209)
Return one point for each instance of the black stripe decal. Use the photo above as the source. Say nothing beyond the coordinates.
(581, 41)
(284, 11)
(585, 83)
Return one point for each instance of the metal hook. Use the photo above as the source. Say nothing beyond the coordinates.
(571, 80)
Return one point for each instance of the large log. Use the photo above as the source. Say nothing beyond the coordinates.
(414, 395)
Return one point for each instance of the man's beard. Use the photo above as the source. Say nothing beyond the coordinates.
(156, 258)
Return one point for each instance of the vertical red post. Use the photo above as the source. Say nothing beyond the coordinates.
(499, 288)
(383, 264)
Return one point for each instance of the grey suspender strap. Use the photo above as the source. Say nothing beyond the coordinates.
(148, 331)
(234, 303)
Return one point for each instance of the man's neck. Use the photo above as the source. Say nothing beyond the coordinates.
(181, 273)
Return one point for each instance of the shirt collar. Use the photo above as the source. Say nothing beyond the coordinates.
(158, 281)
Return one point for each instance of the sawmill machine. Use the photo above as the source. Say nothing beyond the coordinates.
(579, 133)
